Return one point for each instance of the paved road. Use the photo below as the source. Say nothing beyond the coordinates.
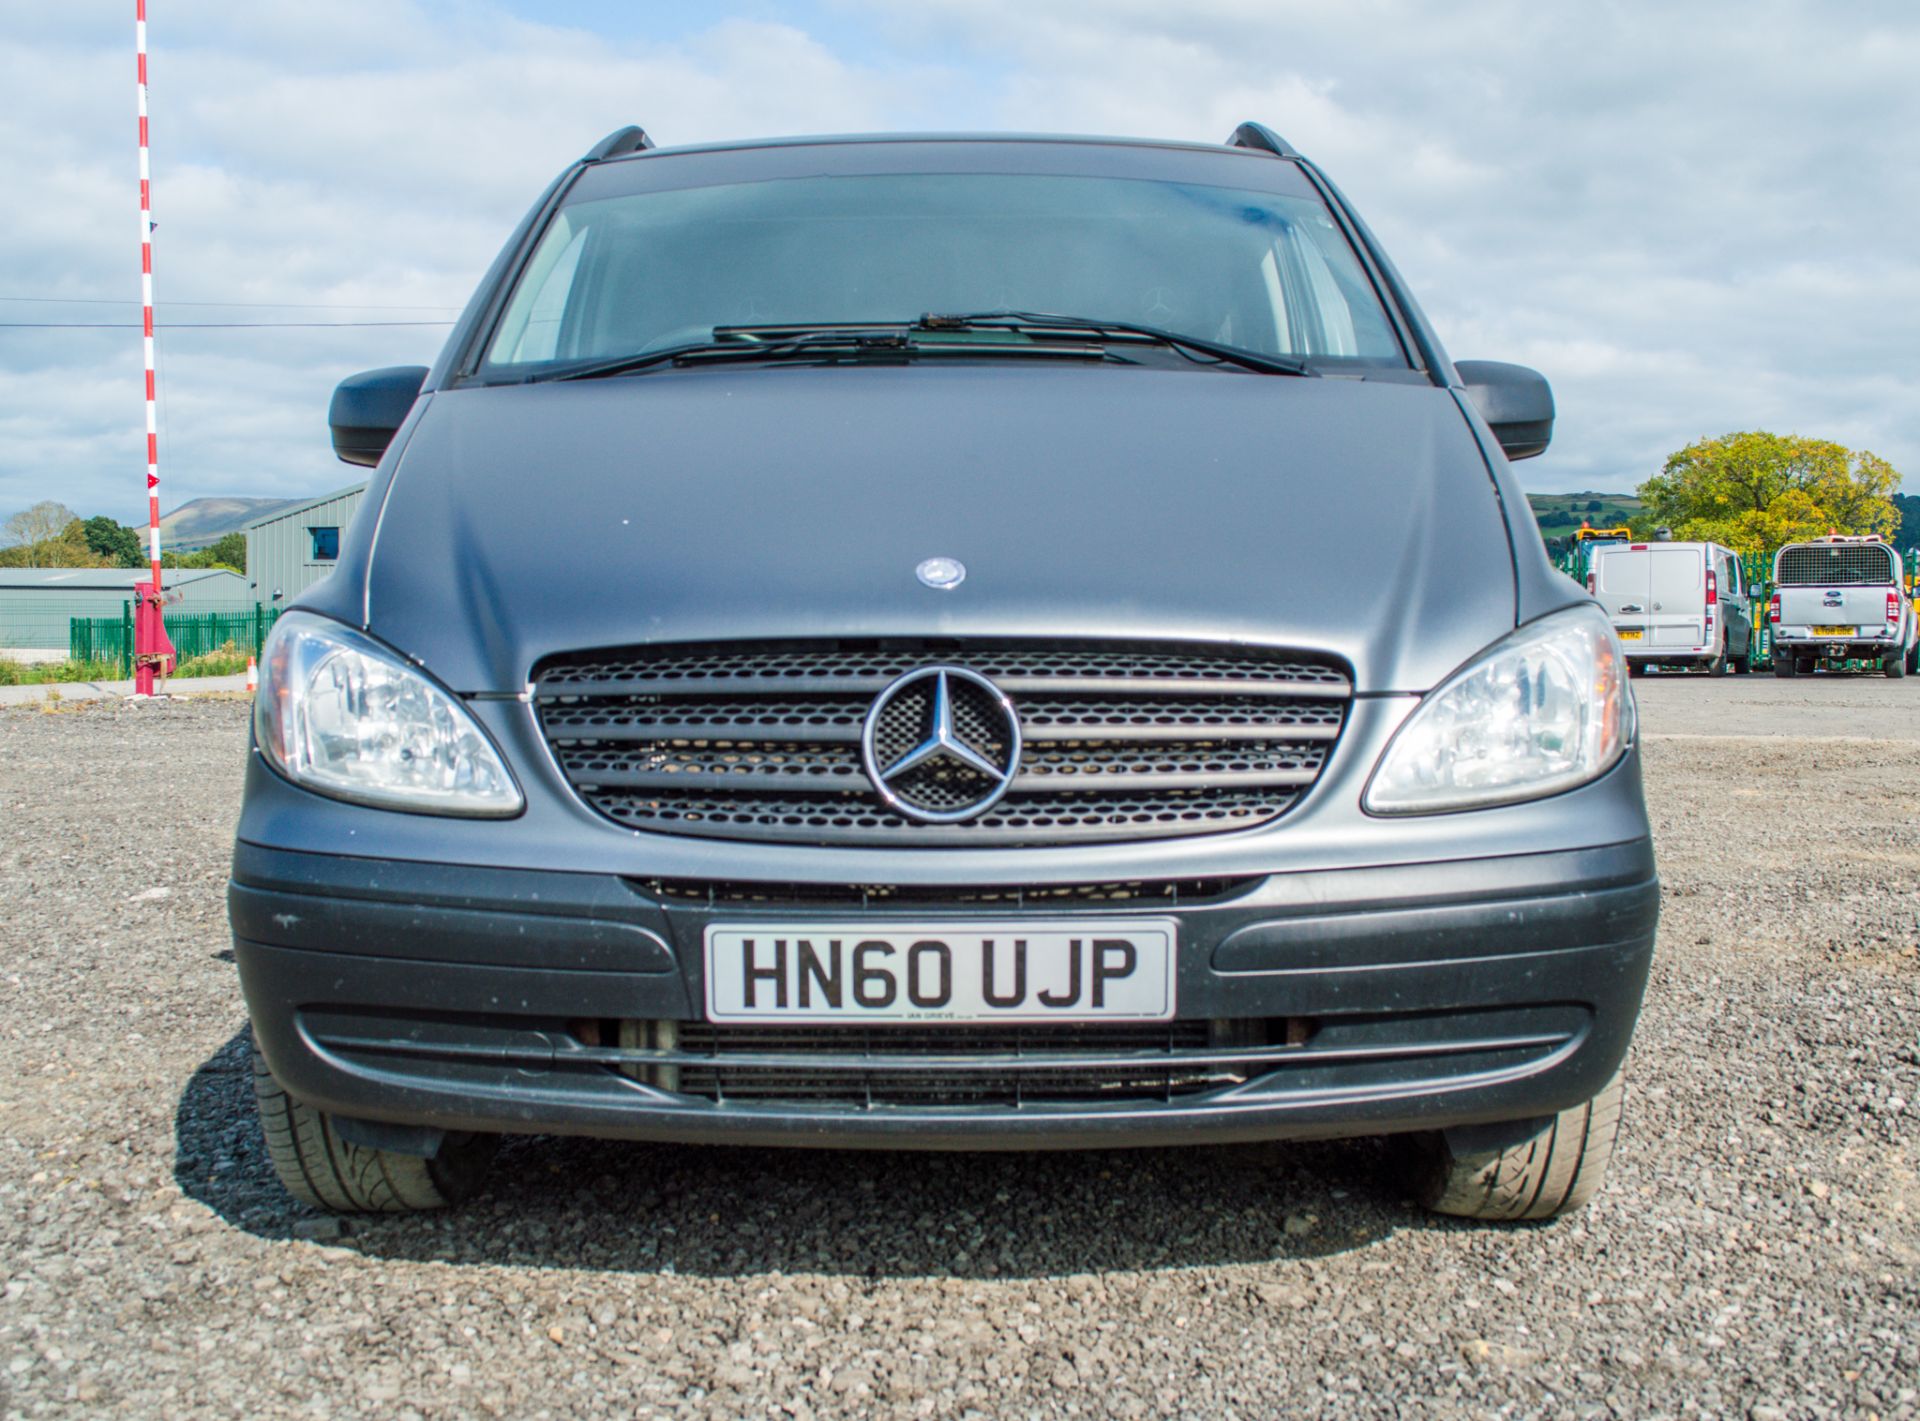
(1801, 708)
(1756, 1254)
(57, 691)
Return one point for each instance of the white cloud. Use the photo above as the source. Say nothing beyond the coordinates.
(291, 167)
(1692, 218)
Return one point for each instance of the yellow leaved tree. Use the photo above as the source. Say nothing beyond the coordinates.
(1755, 491)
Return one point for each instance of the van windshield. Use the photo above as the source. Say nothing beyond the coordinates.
(625, 275)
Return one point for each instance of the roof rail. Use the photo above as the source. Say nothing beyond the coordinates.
(618, 144)
(1258, 135)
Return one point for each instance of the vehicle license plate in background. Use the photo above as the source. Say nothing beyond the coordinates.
(1087, 970)
(1833, 631)
(1630, 634)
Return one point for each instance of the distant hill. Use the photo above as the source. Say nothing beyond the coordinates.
(1558, 514)
(205, 520)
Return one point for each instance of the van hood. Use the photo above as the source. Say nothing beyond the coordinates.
(1330, 515)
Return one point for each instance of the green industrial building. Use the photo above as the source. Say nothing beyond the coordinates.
(294, 547)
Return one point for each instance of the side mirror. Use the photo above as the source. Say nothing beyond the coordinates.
(1516, 403)
(367, 408)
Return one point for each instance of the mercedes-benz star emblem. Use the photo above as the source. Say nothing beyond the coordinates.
(942, 573)
(941, 744)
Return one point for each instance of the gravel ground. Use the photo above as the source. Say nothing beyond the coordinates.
(1757, 1252)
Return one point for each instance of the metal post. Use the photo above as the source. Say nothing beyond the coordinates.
(148, 658)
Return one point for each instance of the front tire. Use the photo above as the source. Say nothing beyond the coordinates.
(1477, 1174)
(320, 1168)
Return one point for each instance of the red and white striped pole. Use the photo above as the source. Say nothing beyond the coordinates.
(150, 636)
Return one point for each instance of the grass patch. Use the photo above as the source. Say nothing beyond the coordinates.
(228, 659)
(41, 673)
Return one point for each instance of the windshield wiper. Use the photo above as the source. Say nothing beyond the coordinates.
(737, 343)
(1078, 338)
(829, 342)
(1031, 321)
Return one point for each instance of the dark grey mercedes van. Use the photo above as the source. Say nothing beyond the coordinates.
(943, 643)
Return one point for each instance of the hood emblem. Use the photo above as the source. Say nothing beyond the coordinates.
(942, 573)
(941, 744)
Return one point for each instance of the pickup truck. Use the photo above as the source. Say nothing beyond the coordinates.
(1840, 599)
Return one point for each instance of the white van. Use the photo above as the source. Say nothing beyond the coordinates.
(1676, 604)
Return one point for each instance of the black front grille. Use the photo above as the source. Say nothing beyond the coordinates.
(762, 741)
(1008, 1065)
(1131, 894)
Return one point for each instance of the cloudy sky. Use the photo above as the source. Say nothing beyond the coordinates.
(1693, 218)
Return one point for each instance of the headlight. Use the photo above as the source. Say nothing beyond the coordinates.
(343, 716)
(1538, 712)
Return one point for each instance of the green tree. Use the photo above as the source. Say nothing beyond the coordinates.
(111, 539)
(230, 550)
(1754, 491)
(1908, 506)
(31, 529)
(64, 547)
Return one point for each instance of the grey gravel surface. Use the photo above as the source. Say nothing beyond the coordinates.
(1757, 1252)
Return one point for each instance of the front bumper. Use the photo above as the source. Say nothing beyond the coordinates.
(456, 997)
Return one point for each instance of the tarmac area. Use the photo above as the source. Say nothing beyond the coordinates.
(1756, 1252)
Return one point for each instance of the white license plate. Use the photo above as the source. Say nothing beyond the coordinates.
(1086, 970)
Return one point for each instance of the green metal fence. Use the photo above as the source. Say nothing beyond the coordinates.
(193, 633)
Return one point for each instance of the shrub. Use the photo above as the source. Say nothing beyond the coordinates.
(227, 659)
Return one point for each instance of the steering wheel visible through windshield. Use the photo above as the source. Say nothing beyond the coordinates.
(624, 275)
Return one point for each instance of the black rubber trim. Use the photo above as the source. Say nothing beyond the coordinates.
(437, 885)
(279, 981)
(1483, 880)
(609, 895)
(1361, 941)
(445, 934)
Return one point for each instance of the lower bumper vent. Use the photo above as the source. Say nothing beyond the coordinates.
(957, 1065)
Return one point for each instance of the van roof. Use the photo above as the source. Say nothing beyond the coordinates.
(1601, 549)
